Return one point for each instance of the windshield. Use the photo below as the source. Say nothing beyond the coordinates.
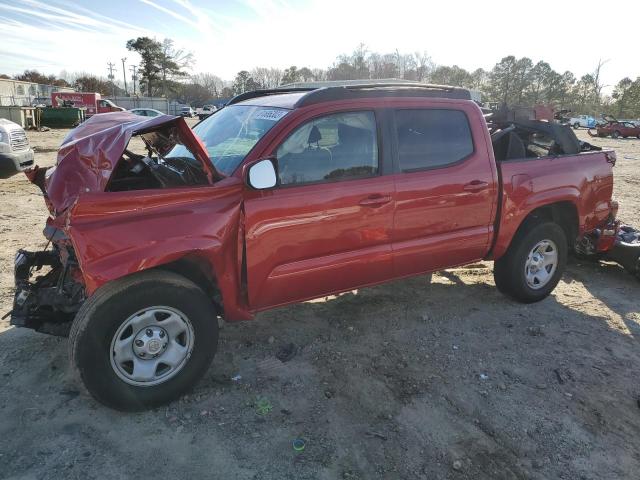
(231, 133)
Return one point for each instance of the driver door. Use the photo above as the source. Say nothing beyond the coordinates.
(326, 227)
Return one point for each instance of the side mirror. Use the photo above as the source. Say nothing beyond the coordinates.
(262, 175)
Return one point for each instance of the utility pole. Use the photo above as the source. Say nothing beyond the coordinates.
(134, 77)
(124, 76)
(112, 77)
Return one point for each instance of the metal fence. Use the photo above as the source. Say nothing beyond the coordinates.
(157, 103)
(23, 100)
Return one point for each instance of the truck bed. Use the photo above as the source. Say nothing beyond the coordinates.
(584, 181)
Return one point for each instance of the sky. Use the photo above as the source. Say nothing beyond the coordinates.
(228, 36)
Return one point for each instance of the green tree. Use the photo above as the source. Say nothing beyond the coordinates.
(244, 82)
(455, 76)
(36, 77)
(622, 94)
(502, 79)
(290, 75)
(161, 64)
(91, 83)
(150, 50)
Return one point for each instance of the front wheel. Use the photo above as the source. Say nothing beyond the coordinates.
(615, 134)
(532, 266)
(576, 126)
(144, 340)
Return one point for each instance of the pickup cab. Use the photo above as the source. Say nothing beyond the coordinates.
(280, 197)
(584, 121)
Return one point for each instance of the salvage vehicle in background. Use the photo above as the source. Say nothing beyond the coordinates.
(187, 112)
(15, 152)
(206, 111)
(584, 121)
(92, 102)
(287, 195)
(146, 112)
(616, 128)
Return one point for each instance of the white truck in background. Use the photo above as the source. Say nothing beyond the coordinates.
(584, 121)
(15, 152)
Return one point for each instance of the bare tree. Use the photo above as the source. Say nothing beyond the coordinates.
(267, 77)
(597, 84)
(212, 83)
(424, 66)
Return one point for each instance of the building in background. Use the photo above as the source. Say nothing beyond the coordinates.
(26, 94)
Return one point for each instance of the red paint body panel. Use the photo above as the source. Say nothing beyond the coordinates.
(307, 241)
(444, 216)
(122, 233)
(584, 180)
(299, 242)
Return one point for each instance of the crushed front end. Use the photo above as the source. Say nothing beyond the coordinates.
(49, 286)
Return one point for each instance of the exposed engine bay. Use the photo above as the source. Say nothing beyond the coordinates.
(160, 167)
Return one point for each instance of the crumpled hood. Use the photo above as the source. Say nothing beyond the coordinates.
(90, 153)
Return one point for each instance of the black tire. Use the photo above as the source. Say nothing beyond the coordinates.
(509, 270)
(107, 309)
(615, 134)
(576, 126)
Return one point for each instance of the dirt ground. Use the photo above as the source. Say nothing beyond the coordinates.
(449, 380)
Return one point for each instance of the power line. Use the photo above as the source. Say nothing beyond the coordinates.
(111, 77)
(124, 75)
(134, 77)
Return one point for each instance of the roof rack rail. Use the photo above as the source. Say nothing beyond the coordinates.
(264, 92)
(317, 94)
(368, 90)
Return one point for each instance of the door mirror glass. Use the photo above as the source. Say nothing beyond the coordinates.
(262, 175)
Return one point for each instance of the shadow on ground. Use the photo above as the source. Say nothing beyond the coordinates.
(405, 380)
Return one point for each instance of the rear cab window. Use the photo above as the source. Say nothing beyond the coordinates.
(432, 138)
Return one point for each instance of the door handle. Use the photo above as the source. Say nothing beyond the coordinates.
(475, 186)
(376, 200)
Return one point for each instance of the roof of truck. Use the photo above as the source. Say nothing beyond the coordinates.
(295, 97)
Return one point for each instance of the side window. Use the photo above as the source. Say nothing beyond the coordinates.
(334, 147)
(431, 138)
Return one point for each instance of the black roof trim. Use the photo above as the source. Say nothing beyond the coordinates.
(365, 90)
(349, 92)
(266, 92)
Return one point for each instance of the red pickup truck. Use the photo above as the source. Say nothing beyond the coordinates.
(283, 196)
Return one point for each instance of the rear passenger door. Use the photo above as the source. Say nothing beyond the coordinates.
(445, 189)
(327, 226)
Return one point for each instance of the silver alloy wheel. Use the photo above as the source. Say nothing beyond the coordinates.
(152, 346)
(541, 264)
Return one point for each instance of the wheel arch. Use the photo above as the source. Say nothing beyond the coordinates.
(198, 269)
(564, 213)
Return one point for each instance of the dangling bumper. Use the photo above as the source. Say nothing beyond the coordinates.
(49, 290)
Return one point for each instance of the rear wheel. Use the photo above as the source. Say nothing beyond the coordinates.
(144, 340)
(534, 262)
(615, 134)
